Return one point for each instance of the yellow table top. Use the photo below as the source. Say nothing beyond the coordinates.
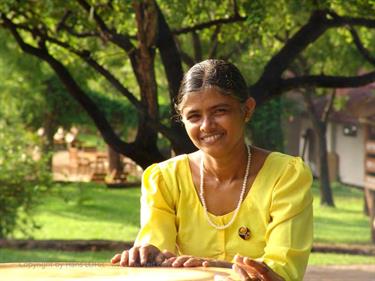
(56, 271)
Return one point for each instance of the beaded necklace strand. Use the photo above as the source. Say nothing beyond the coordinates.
(244, 185)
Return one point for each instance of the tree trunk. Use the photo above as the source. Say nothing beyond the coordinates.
(49, 131)
(144, 69)
(370, 199)
(320, 128)
(366, 211)
(116, 166)
(326, 197)
(114, 160)
(171, 60)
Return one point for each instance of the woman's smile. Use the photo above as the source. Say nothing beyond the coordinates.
(214, 122)
(211, 138)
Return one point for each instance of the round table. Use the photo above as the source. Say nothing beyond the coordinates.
(56, 271)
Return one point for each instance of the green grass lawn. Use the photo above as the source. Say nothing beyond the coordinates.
(87, 211)
(344, 224)
(91, 211)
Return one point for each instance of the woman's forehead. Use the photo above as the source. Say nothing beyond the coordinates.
(206, 98)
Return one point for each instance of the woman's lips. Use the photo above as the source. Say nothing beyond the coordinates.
(209, 139)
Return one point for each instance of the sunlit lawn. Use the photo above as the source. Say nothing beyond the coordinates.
(88, 211)
(344, 224)
(92, 211)
(11, 255)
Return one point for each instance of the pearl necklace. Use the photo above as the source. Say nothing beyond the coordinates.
(244, 185)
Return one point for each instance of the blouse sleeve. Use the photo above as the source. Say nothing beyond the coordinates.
(289, 234)
(158, 226)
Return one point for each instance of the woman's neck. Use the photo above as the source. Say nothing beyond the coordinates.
(230, 167)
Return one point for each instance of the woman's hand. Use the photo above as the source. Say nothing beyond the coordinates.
(146, 255)
(249, 269)
(191, 261)
(182, 261)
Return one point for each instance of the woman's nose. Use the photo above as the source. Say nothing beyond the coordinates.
(207, 124)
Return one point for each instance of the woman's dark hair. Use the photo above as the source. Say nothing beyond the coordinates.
(213, 73)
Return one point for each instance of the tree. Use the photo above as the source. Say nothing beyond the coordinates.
(36, 103)
(265, 126)
(60, 32)
(22, 177)
(319, 121)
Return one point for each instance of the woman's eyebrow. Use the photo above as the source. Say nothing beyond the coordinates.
(194, 110)
(221, 105)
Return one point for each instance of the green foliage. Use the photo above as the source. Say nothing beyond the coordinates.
(265, 125)
(250, 44)
(22, 178)
(32, 92)
(122, 116)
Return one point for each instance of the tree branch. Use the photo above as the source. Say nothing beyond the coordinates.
(121, 40)
(200, 26)
(61, 23)
(86, 56)
(307, 98)
(166, 46)
(74, 33)
(338, 20)
(27, 48)
(311, 31)
(328, 107)
(269, 83)
(197, 46)
(172, 64)
(235, 8)
(73, 89)
(362, 50)
(185, 57)
(237, 48)
(213, 50)
(327, 81)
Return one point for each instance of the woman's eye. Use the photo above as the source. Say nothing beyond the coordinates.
(220, 111)
(193, 117)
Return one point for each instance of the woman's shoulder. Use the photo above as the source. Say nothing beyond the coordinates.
(275, 160)
(169, 165)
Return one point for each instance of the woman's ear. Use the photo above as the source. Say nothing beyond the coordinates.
(250, 104)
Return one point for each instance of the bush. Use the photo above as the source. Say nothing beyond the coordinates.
(24, 177)
(265, 125)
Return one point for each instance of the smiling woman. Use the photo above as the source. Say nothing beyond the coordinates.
(228, 204)
(215, 122)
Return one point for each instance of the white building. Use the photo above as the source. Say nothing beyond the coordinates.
(348, 131)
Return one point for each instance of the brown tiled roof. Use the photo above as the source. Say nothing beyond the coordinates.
(360, 105)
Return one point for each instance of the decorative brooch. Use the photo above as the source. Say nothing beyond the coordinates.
(244, 233)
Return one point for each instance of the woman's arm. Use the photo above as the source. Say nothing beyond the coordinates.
(289, 233)
(156, 239)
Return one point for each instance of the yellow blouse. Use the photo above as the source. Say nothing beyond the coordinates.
(277, 210)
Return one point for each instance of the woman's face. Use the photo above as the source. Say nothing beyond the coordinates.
(215, 122)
